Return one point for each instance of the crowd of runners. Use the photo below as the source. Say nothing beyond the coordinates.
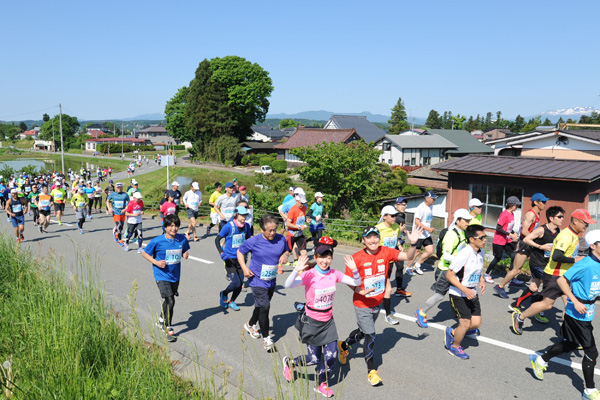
(555, 257)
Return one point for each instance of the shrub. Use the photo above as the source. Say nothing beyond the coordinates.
(410, 189)
(267, 159)
(279, 166)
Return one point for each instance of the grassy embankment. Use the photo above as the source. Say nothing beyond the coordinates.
(64, 342)
(116, 164)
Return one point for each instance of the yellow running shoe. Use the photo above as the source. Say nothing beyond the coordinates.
(595, 395)
(374, 378)
(538, 369)
(342, 354)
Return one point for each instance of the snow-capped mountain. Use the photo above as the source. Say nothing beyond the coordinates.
(570, 112)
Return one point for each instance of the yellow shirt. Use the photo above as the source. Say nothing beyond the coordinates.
(79, 200)
(213, 199)
(476, 220)
(568, 242)
(389, 234)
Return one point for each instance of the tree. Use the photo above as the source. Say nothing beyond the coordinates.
(447, 120)
(498, 119)
(433, 120)
(346, 172)
(398, 121)
(519, 124)
(287, 123)
(547, 122)
(23, 126)
(487, 124)
(470, 124)
(46, 117)
(458, 121)
(175, 113)
(70, 126)
(532, 124)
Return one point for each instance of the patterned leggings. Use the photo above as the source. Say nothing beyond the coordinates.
(322, 356)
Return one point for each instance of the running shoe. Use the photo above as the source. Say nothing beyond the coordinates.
(116, 239)
(391, 320)
(517, 324)
(233, 306)
(517, 282)
(161, 324)
(187, 236)
(541, 318)
(288, 372)
(342, 354)
(252, 330)
(171, 337)
(421, 318)
(448, 338)
(402, 293)
(89, 217)
(60, 222)
(500, 292)
(120, 242)
(139, 250)
(223, 300)
(268, 344)
(22, 237)
(458, 352)
(411, 272)
(207, 231)
(18, 240)
(125, 247)
(488, 278)
(374, 378)
(324, 390)
(473, 333)
(538, 369)
(8, 219)
(45, 231)
(595, 395)
(81, 231)
(418, 269)
(40, 229)
(515, 308)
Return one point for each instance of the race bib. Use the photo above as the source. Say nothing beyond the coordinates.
(17, 208)
(474, 279)
(300, 221)
(176, 201)
(58, 196)
(377, 282)
(173, 256)
(44, 203)
(390, 241)
(238, 240)
(194, 203)
(118, 203)
(268, 272)
(81, 204)
(171, 210)
(324, 298)
(228, 212)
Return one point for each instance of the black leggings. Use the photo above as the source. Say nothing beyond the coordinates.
(119, 229)
(399, 273)
(80, 222)
(36, 214)
(589, 359)
(90, 203)
(167, 309)
(261, 315)
(134, 229)
(318, 234)
(98, 203)
(368, 349)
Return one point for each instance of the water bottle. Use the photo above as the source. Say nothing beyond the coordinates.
(299, 306)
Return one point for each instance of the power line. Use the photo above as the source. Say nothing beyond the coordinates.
(31, 112)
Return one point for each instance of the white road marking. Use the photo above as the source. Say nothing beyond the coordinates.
(64, 223)
(498, 343)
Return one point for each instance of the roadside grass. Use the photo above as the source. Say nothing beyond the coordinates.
(116, 164)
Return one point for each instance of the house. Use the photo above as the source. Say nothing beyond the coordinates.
(91, 144)
(413, 132)
(411, 150)
(439, 213)
(309, 137)
(96, 133)
(365, 129)
(259, 147)
(428, 177)
(495, 133)
(465, 142)
(570, 184)
(267, 134)
(158, 135)
(47, 145)
(100, 127)
(28, 134)
(560, 144)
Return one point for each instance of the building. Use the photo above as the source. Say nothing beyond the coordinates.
(412, 150)
(413, 132)
(428, 177)
(465, 142)
(267, 134)
(495, 133)
(259, 147)
(365, 129)
(46, 145)
(91, 144)
(310, 137)
(28, 134)
(157, 135)
(570, 184)
(97, 127)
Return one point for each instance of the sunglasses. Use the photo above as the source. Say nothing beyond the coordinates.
(559, 216)
(482, 237)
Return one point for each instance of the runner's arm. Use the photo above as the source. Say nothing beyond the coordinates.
(293, 280)
(218, 239)
(527, 221)
(559, 256)
(501, 231)
(565, 286)
(536, 234)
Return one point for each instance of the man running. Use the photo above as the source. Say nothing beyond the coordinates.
(192, 200)
(225, 205)
(400, 206)
(372, 263)
(296, 224)
(504, 237)
(423, 218)
(475, 208)
(316, 215)
(581, 284)
(562, 257)
(531, 220)
(32, 206)
(134, 212)
(80, 202)
(44, 201)
(59, 195)
(16, 207)
(212, 201)
(115, 204)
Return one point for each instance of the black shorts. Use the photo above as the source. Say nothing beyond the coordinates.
(498, 249)
(441, 284)
(45, 213)
(465, 308)
(232, 265)
(424, 242)
(299, 241)
(523, 248)
(536, 272)
(262, 296)
(551, 289)
(578, 332)
(168, 289)
(191, 213)
(59, 206)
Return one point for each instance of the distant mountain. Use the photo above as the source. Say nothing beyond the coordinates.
(566, 113)
(146, 117)
(323, 115)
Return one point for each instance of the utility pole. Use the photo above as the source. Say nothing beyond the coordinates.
(122, 153)
(167, 159)
(53, 141)
(62, 147)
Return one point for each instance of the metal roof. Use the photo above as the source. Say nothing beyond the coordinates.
(365, 128)
(465, 142)
(420, 142)
(529, 167)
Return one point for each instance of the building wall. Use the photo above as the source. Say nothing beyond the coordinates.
(404, 157)
(550, 142)
(593, 155)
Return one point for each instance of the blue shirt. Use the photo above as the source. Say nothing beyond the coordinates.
(287, 205)
(119, 202)
(584, 277)
(234, 238)
(89, 191)
(265, 258)
(287, 198)
(317, 210)
(171, 250)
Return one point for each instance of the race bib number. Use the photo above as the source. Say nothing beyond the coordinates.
(44, 203)
(81, 204)
(137, 212)
(194, 203)
(17, 208)
(171, 210)
(58, 196)
(173, 256)
(474, 279)
(390, 241)
(300, 221)
(268, 272)
(324, 298)
(377, 282)
(118, 203)
(176, 201)
(238, 240)
(228, 212)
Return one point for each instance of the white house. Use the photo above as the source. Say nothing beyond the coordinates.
(267, 134)
(413, 150)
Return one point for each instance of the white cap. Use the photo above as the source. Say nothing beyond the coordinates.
(475, 202)
(137, 195)
(133, 182)
(302, 197)
(175, 183)
(319, 194)
(391, 210)
(299, 191)
(460, 213)
(592, 237)
(291, 188)
(196, 186)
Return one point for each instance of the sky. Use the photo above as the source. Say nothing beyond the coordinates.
(120, 59)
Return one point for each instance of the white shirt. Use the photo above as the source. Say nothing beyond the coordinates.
(192, 199)
(467, 265)
(425, 214)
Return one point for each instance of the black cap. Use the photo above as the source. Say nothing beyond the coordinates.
(370, 229)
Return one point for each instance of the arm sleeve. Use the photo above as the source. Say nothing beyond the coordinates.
(218, 239)
(351, 281)
(559, 256)
(293, 280)
(500, 230)
(310, 213)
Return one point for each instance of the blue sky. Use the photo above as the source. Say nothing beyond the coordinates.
(118, 59)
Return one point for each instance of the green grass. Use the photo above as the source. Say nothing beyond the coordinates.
(116, 164)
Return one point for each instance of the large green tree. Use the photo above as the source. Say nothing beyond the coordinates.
(288, 123)
(70, 126)
(397, 121)
(45, 117)
(519, 124)
(175, 113)
(23, 126)
(458, 121)
(433, 120)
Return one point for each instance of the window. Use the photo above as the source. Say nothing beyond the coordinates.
(426, 160)
(390, 161)
(594, 209)
(290, 157)
(413, 161)
(387, 146)
(406, 163)
(494, 199)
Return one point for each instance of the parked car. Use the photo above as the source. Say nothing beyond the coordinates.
(265, 170)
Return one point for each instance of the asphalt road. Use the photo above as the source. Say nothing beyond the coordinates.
(412, 361)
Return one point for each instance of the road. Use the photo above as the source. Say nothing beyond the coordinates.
(412, 361)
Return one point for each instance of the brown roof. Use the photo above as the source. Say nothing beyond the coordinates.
(429, 172)
(529, 167)
(312, 136)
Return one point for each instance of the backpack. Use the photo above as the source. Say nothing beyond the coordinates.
(439, 245)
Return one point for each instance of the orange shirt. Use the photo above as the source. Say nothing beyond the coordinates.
(298, 216)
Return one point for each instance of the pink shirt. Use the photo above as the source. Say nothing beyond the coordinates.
(507, 222)
(168, 208)
(320, 292)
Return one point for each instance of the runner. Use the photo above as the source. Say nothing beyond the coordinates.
(32, 206)
(16, 207)
(475, 208)
(80, 202)
(192, 200)
(268, 250)
(235, 233)
(372, 263)
(97, 197)
(452, 243)
(316, 325)
(562, 257)
(212, 201)
(504, 237)
(115, 204)
(296, 224)
(89, 191)
(400, 206)
(531, 220)
(243, 194)
(134, 212)
(59, 195)
(423, 218)
(225, 205)
(134, 187)
(176, 194)
(316, 219)
(581, 284)
(44, 201)
(540, 241)
(464, 275)
(165, 253)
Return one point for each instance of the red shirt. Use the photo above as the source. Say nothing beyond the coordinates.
(298, 216)
(373, 271)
